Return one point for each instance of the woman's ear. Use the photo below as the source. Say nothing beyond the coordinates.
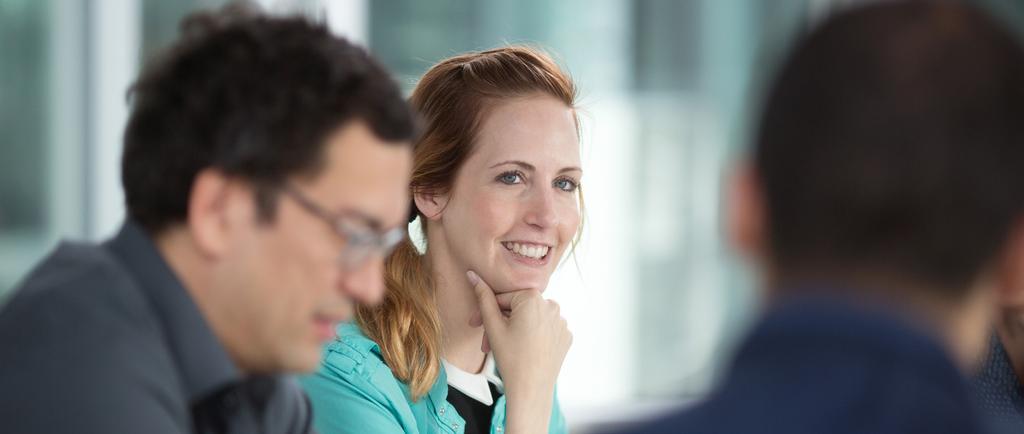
(431, 205)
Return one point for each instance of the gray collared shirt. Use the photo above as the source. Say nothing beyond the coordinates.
(105, 339)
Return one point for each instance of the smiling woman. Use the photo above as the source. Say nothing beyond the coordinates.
(496, 184)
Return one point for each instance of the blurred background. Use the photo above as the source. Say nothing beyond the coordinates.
(669, 92)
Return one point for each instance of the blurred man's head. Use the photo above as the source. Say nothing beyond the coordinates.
(269, 159)
(890, 150)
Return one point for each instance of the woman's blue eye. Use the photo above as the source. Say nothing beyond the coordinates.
(567, 185)
(510, 178)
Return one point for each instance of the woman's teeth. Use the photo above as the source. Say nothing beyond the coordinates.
(534, 251)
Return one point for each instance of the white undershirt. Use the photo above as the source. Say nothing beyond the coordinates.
(475, 385)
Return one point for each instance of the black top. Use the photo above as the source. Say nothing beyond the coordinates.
(998, 391)
(105, 339)
(815, 366)
(476, 414)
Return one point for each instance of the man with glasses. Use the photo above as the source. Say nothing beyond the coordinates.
(265, 168)
(363, 235)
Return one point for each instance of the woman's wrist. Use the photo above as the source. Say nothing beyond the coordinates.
(530, 384)
(528, 410)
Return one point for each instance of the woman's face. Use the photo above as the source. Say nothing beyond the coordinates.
(513, 208)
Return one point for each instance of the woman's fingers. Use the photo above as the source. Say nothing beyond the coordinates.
(490, 312)
(504, 301)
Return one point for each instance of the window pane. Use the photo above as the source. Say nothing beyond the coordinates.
(24, 32)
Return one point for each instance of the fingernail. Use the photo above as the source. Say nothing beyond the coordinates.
(473, 278)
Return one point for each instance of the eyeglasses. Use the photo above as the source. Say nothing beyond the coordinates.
(362, 241)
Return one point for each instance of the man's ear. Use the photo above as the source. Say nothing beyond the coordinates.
(216, 205)
(746, 216)
(430, 204)
(1010, 269)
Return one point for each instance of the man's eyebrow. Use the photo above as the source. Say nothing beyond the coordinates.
(368, 219)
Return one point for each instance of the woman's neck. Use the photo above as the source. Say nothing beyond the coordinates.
(460, 343)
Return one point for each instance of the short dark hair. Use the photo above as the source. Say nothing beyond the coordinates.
(254, 96)
(892, 142)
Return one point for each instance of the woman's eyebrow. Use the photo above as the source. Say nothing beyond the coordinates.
(571, 169)
(519, 163)
(531, 168)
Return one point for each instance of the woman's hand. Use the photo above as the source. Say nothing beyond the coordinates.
(529, 340)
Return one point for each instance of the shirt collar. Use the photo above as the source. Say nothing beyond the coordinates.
(201, 359)
(997, 380)
(806, 324)
(475, 385)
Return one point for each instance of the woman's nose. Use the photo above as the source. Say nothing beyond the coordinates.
(541, 211)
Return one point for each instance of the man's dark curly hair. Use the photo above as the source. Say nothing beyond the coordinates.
(253, 96)
(891, 144)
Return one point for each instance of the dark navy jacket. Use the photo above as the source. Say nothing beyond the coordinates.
(998, 391)
(816, 366)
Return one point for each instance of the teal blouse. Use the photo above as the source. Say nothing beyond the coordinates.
(354, 392)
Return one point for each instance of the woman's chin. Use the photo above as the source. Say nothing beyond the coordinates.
(519, 283)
